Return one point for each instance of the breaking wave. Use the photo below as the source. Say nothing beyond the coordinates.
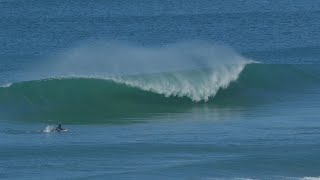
(139, 82)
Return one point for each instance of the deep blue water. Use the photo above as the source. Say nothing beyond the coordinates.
(160, 89)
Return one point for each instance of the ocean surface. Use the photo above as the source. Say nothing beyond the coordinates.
(159, 89)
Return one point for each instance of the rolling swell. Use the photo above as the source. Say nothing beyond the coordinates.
(84, 100)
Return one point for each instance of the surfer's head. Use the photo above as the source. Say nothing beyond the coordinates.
(59, 126)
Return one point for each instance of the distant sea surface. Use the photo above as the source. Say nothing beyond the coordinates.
(157, 89)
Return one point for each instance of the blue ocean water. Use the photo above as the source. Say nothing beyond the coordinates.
(160, 89)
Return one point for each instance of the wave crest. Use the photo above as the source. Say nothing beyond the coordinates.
(198, 86)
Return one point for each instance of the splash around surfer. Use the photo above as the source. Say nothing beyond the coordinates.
(54, 129)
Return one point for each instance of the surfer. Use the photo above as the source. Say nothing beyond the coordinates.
(59, 128)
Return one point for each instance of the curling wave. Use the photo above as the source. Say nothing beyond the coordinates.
(95, 99)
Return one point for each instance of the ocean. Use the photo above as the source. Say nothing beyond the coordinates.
(158, 89)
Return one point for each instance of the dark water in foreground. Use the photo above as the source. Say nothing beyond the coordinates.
(160, 89)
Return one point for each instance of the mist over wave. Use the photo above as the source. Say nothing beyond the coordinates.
(115, 58)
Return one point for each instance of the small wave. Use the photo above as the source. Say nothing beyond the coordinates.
(310, 178)
(5, 85)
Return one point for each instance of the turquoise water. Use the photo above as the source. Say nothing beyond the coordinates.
(160, 89)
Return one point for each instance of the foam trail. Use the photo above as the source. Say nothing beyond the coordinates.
(48, 129)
